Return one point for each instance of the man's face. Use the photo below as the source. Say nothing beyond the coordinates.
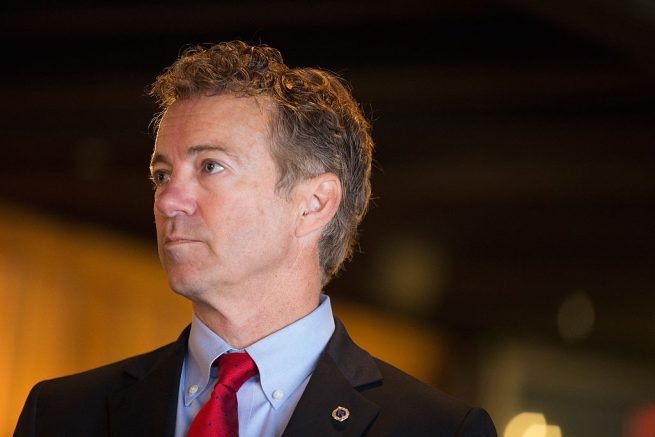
(220, 221)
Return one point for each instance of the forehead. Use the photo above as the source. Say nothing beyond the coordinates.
(208, 119)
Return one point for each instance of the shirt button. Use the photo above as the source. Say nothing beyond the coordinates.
(193, 389)
(278, 394)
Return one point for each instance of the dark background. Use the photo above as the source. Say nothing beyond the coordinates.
(514, 142)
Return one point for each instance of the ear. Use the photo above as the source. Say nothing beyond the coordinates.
(319, 200)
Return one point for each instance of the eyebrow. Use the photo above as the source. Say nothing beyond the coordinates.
(194, 150)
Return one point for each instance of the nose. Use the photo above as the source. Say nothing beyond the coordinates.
(175, 198)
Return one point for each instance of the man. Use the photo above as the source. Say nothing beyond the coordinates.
(261, 177)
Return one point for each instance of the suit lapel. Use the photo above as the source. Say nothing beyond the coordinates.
(148, 406)
(342, 368)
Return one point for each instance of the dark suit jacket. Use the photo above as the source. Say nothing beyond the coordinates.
(138, 397)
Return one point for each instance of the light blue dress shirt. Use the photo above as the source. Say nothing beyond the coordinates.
(285, 359)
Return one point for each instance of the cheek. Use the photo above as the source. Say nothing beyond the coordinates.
(258, 218)
(228, 215)
(244, 211)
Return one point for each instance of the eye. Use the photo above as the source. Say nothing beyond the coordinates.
(159, 178)
(212, 167)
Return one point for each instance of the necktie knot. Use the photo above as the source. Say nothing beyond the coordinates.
(235, 369)
(220, 414)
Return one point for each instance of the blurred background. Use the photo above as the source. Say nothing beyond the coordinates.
(508, 254)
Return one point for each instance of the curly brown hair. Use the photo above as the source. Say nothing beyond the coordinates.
(316, 126)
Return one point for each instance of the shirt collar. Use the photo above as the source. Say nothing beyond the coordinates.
(285, 358)
(204, 348)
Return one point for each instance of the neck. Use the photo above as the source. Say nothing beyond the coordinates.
(246, 313)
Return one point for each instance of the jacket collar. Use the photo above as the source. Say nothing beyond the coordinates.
(342, 369)
(148, 405)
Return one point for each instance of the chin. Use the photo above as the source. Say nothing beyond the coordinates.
(183, 288)
(182, 281)
(190, 283)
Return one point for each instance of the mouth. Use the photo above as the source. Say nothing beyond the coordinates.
(177, 241)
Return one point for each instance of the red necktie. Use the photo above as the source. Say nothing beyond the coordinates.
(219, 416)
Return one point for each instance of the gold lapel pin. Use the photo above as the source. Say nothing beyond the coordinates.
(340, 414)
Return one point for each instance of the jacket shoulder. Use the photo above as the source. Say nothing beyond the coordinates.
(56, 403)
(413, 408)
(107, 378)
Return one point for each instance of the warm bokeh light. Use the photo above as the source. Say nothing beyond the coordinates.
(410, 273)
(522, 422)
(641, 422)
(529, 424)
(543, 431)
(576, 317)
